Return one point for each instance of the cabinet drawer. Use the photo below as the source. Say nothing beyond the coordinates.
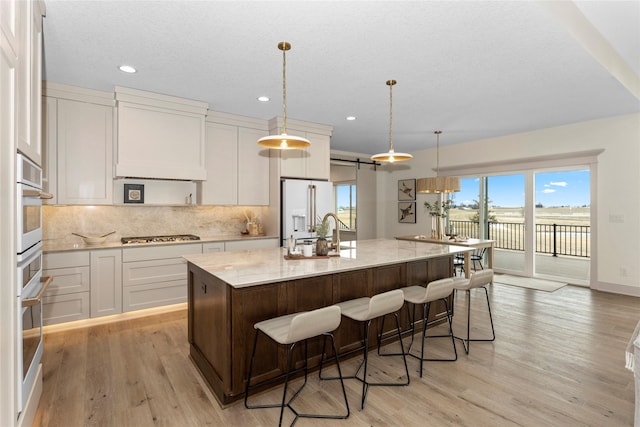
(65, 259)
(159, 252)
(139, 297)
(68, 280)
(65, 308)
(212, 247)
(239, 245)
(157, 271)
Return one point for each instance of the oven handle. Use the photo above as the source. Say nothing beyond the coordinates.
(27, 192)
(28, 302)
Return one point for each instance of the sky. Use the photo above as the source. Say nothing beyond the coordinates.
(565, 188)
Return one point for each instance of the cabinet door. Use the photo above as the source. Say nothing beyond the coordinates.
(85, 144)
(106, 282)
(312, 162)
(29, 80)
(221, 162)
(253, 168)
(318, 161)
(50, 148)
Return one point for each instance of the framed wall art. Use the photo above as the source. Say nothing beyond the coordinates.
(407, 212)
(406, 189)
(134, 193)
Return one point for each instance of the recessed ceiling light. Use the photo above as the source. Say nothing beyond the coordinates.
(263, 98)
(127, 69)
(351, 118)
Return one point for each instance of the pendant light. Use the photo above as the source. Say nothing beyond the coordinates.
(284, 141)
(391, 156)
(438, 184)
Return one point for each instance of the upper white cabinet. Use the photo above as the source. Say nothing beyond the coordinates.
(159, 136)
(312, 162)
(237, 167)
(78, 134)
(29, 76)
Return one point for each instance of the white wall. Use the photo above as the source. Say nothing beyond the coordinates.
(618, 176)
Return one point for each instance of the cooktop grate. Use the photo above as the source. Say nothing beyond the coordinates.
(160, 239)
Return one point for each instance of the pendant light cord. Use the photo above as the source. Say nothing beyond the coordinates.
(438, 132)
(284, 91)
(391, 83)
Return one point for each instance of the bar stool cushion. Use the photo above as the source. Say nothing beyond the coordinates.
(477, 279)
(436, 290)
(296, 327)
(365, 308)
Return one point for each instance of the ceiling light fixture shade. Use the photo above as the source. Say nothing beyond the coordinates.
(438, 184)
(284, 141)
(391, 156)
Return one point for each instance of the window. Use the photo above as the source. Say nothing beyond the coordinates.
(345, 204)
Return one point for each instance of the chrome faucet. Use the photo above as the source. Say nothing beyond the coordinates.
(336, 244)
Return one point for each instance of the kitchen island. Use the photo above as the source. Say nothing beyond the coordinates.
(231, 291)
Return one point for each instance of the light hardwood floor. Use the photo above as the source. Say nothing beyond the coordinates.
(558, 360)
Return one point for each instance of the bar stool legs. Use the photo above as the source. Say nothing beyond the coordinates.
(478, 279)
(426, 307)
(295, 329)
(418, 295)
(365, 310)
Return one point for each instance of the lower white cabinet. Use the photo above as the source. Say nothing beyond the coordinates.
(212, 247)
(155, 276)
(241, 245)
(102, 282)
(106, 282)
(67, 298)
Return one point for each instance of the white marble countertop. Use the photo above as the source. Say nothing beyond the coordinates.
(256, 267)
(77, 244)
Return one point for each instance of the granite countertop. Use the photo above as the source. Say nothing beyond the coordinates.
(255, 267)
(76, 243)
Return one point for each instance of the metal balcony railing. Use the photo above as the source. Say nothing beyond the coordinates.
(554, 239)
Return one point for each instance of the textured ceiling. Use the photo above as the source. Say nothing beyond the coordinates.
(472, 69)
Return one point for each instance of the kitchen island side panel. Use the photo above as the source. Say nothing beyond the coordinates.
(209, 328)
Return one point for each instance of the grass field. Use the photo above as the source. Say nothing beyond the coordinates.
(565, 216)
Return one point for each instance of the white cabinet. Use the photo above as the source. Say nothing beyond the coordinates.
(237, 167)
(29, 78)
(154, 276)
(221, 161)
(212, 247)
(85, 147)
(106, 282)
(253, 169)
(67, 298)
(159, 136)
(78, 145)
(312, 162)
(242, 245)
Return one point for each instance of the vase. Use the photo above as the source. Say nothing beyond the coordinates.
(322, 247)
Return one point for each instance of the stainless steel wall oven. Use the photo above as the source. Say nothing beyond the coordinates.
(30, 283)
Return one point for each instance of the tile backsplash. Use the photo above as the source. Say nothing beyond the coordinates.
(205, 221)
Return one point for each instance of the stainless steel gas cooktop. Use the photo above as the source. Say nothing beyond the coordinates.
(160, 239)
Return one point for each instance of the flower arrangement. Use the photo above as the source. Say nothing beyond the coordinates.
(322, 229)
(439, 209)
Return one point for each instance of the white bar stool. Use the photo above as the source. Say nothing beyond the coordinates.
(293, 329)
(434, 291)
(478, 279)
(364, 310)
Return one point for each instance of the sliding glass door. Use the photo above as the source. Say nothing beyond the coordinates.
(540, 221)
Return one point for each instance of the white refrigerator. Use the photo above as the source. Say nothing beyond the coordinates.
(304, 204)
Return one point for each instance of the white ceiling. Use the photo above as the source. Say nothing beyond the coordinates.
(472, 69)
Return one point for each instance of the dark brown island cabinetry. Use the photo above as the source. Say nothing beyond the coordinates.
(221, 316)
